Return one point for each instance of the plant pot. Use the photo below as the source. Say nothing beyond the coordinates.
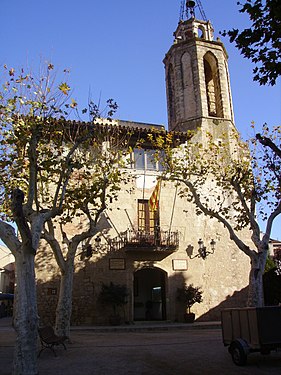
(189, 317)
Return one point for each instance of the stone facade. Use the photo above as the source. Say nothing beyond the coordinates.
(222, 275)
(152, 268)
(197, 79)
(7, 270)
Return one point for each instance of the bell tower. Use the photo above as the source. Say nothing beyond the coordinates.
(197, 79)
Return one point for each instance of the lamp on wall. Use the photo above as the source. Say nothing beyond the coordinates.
(97, 243)
(202, 250)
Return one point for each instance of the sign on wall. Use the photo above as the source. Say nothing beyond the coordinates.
(179, 264)
(117, 264)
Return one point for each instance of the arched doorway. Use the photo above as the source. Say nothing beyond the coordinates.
(150, 294)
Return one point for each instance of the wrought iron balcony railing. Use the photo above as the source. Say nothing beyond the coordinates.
(158, 240)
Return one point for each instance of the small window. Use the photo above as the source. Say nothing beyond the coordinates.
(150, 160)
(139, 159)
(147, 160)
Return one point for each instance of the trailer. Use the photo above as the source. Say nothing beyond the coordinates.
(251, 329)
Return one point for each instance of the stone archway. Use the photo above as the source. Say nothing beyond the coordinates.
(213, 87)
(150, 294)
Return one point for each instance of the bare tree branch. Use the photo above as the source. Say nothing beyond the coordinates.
(265, 141)
(242, 246)
(9, 237)
(249, 212)
(52, 241)
(20, 219)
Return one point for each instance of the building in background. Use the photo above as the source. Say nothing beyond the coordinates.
(7, 281)
(7, 270)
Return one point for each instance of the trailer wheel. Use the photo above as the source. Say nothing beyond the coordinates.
(238, 351)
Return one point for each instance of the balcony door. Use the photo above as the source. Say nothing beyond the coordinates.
(148, 220)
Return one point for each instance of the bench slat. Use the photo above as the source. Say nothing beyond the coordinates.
(49, 339)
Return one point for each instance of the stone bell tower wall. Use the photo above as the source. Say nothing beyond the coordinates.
(197, 82)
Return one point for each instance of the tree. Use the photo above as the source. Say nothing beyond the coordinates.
(227, 184)
(25, 105)
(40, 153)
(94, 183)
(268, 142)
(266, 162)
(261, 41)
(115, 296)
(189, 295)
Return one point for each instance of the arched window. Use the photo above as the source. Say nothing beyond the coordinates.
(213, 89)
(186, 69)
(188, 107)
(201, 32)
(171, 93)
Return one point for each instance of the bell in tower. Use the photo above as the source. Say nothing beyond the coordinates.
(197, 79)
(190, 5)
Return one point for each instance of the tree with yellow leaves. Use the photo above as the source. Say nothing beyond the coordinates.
(236, 183)
(52, 169)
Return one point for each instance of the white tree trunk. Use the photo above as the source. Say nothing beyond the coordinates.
(25, 315)
(255, 295)
(64, 306)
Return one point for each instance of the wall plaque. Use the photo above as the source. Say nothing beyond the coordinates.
(179, 264)
(52, 291)
(117, 264)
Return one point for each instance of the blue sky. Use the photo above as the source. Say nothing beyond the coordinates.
(114, 49)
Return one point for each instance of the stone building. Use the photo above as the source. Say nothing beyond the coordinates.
(7, 270)
(129, 250)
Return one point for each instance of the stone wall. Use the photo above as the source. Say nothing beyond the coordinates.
(223, 276)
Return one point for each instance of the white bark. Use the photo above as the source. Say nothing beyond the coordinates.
(257, 256)
(25, 304)
(255, 294)
(25, 315)
(64, 306)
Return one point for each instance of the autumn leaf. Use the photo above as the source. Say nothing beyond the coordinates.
(73, 103)
(64, 88)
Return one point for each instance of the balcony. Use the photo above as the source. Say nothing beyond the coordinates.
(159, 241)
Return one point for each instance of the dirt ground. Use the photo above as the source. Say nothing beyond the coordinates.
(167, 350)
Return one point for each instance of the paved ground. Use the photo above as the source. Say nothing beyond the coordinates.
(165, 350)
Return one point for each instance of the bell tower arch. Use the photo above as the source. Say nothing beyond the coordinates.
(197, 80)
(212, 85)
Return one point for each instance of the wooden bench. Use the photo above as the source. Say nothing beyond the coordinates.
(49, 339)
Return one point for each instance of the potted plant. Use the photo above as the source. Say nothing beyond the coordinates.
(189, 295)
(114, 295)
